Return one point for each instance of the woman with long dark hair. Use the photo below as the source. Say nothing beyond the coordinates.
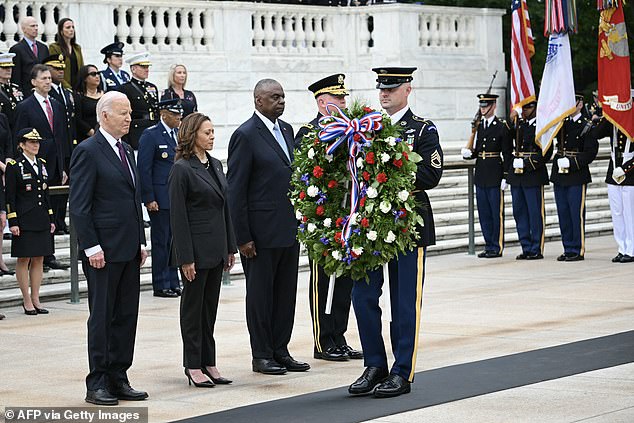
(87, 95)
(66, 44)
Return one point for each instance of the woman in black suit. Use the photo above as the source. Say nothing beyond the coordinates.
(203, 244)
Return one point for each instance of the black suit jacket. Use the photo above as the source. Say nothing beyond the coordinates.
(24, 61)
(259, 175)
(30, 115)
(202, 232)
(105, 204)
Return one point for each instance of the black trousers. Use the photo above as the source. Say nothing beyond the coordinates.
(199, 307)
(328, 329)
(271, 294)
(113, 300)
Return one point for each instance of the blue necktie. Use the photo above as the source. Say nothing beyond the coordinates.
(280, 140)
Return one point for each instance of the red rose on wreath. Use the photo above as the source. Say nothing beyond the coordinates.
(325, 253)
(318, 172)
(305, 219)
(367, 110)
(404, 230)
(369, 158)
(338, 237)
(319, 211)
(339, 222)
(332, 184)
(366, 175)
(362, 202)
(302, 195)
(398, 163)
(404, 213)
(316, 142)
(356, 137)
(405, 155)
(381, 178)
(365, 222)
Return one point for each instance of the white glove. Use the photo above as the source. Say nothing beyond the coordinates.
(503, 184)
(563, 163)
(466, 153)
(518, 163)
(618, 175)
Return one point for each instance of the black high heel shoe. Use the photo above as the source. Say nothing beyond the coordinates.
(218, 381)
(40, 310)
(205, 384)
(29, 312)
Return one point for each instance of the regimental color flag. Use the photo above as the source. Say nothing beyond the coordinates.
(522, 49)
(614, 69)
(557, 92)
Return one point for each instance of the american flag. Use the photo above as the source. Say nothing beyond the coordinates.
(522, 49)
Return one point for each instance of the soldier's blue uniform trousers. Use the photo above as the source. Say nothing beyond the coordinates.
(491, 215)
(407, 274)
(528, 211)
(163, 276)
(571, 209)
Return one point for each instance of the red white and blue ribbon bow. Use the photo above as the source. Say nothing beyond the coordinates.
(340, 128)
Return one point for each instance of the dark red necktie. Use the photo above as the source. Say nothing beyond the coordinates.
(34, 48)
(124, 159)
(49, 113)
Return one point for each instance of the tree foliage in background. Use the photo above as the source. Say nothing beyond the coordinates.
(583, 43)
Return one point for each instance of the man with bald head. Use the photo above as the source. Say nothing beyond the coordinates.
(259, 173)
(105, 208)
(28, 52)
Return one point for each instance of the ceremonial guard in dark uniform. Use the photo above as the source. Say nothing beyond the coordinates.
(113, 75)
(328, 329)
(143, 96)
(491, 150)
(157, 148)
(527, 175)
(576, 149)
(620, 180)
(10, 93)
(407, 271)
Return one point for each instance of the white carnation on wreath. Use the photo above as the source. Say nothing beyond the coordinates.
(298, 215)
(403, 195)
(385, 157)
(358, 250)
(359, 163)
(385, 206)
(312, 191)
(390, 238)
(336, 255)
(311, 227)
(391, 141)
(330, 158)
(311, 153)
(372, 235)
(327, 222)
(372, 192)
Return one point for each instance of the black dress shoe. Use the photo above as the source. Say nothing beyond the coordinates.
(626, 259)
(563, 257)
(101, 397)
(56, 264)
(267, 366)
(482, 254)
(617, 258)
(393, 386)
(574, 257)
(41, 310)
(492, 254)
(165, 293)
(521, 257)
(331, 354)
(352, 353)
(29, 312)
(536, 256)
(177, 291)
(371, 377)
(124, 391)
(292, 365)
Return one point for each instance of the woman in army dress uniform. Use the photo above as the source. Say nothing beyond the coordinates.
(30, 217)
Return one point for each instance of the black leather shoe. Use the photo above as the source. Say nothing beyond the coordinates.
(177, 291)
(292, 365)
(482, 254)
(371, 377)
(352, 353)
(101, 397)
(617, 258)
(56, 264)
(217, 380)
(29, 312)
(41, 310)
(521, 257)
(537, 256)
(124, 391)
(626, 259)
(563, 257)
(268, 366)
(165, 293)
(492, 254)
(331, 354)
(574, 257)
(393, 386)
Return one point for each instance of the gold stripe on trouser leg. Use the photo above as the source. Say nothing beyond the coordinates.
(419, 305)
(314, 287)
(582, 220)
(541, 242)
(501, 228)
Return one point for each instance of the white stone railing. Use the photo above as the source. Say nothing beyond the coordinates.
(446, 31)
(48, 28)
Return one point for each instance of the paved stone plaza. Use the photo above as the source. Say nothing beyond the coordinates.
(473, 310)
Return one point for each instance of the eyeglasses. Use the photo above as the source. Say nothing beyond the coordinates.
(92, 73)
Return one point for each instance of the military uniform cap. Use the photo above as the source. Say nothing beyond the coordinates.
(55, 61)
(173, 105)
(393, 77)
(28, 134)
(579, 97)
(486, 99)
(141, 59)
(6, 60)
(530, 104)
(114, 48)
(333, 85)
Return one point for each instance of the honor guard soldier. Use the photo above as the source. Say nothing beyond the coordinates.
(492, 149)
(113, 75)
(10, 93)
(527, 175)
(328, 329)
(143, 96)
(576, 149)
(620, 180)
(407, 271)
(157, 148)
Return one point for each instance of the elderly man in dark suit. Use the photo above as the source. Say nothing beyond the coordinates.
(105, 207)
(259, 172)
(28, 52)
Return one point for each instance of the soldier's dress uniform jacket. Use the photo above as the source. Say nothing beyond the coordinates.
(109, 80)
(6, 138)
(10, 96)
(575, 142)
(406, 272)
(28, 207)
(68, 101)
(143, 96)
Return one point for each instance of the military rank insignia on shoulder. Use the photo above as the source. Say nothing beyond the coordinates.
(11, 162)
(308, 126)
(42, 160)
